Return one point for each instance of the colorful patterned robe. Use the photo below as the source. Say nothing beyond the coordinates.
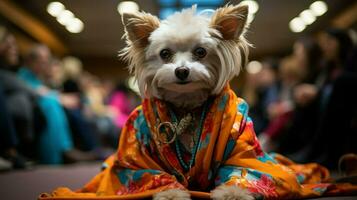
(228, 153)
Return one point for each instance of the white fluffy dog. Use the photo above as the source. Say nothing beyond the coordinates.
(185, 59)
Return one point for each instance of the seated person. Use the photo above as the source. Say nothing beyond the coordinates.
(56, 140)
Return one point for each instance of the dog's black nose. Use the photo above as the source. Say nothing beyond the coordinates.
(182, 73)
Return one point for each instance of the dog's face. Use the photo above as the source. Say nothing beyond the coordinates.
(186, 57)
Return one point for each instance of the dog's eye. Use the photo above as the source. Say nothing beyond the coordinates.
(200, 52)
(165, 54)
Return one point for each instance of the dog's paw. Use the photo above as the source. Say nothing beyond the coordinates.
(173, 194)
(224, 192)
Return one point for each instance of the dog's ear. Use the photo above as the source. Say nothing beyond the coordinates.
(138, 27)
(230, 21)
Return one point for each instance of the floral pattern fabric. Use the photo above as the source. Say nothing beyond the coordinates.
(228, 153)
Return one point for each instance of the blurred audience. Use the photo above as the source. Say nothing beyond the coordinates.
(337, 109)
(288, 131)
(17, 105)
(82, 130)
(259, 92)
(317, 122)
(280, 105)
(98, 111)
(54, 76)
(55, 141)
(122, 102)
(51, 112)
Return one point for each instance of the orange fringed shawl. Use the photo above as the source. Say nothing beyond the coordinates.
(228, 153)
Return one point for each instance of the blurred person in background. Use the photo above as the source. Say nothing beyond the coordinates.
(323, 125)
(308, 53)
(72, 70)
(336, 99)
(96, 93)
(280, 105)
(257, 92)
(54, 77)
(122, 105)
(8, 133)
(55, 143)
(82, 126)
(18, 106)
(122, 102)
(301, 124)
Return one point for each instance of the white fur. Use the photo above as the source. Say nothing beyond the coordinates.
(181, 33)
(173, 194)
(224, 192)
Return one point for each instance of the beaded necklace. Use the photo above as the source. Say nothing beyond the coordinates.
(187, 166)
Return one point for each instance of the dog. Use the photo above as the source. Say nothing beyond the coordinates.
(184, 60)
(192, 136)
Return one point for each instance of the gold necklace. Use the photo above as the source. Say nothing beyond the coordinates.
(164, 128)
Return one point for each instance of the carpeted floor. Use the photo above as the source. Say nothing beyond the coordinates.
(27, 185)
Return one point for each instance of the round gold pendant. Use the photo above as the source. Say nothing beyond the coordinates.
(163, 130)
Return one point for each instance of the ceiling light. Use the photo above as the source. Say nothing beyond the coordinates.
(253, 6)
(55, 8)
(318, 8)
(127, 7)
(254, 67)
(297, 25)
(75, 25)
(65, 17)
(307, 16)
